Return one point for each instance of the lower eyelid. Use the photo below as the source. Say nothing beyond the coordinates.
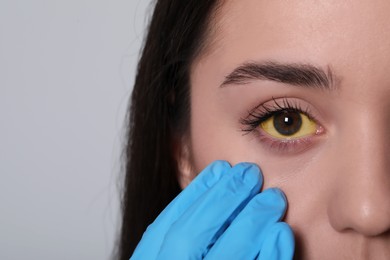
(287, 146)
(290, 146)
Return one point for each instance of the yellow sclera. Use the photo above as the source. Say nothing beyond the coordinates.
(308, 127)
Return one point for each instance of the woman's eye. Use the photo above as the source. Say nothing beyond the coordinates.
(287, 124)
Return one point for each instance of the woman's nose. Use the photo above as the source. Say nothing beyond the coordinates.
(360, 199)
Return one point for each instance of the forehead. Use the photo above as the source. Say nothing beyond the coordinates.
(352, 36)
(305, 26)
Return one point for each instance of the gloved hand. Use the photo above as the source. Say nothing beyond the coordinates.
(221, 215)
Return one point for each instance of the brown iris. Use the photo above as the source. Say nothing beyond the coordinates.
(287, 122)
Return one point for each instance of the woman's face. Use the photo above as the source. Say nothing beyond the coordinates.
(331, 61)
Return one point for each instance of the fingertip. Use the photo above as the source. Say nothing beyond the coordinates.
(250, 173)
(278, 195)
(285, 233)
(273, 198)
(280, 242)
(212, 173)
(219, 165)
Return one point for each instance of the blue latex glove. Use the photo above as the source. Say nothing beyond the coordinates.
(221, 215)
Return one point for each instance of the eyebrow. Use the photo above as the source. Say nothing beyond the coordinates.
(296, 74)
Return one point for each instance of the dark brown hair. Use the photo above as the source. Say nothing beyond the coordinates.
(159, 113)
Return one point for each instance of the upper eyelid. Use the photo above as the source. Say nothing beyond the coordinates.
(277, 107)
(273, 106)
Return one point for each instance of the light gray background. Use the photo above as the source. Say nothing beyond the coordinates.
(66, 70)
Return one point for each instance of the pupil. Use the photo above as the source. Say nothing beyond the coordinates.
(287, 122)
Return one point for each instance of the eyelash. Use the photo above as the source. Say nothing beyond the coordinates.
(263, 112)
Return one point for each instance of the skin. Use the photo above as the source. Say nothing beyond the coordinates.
(338, 187)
